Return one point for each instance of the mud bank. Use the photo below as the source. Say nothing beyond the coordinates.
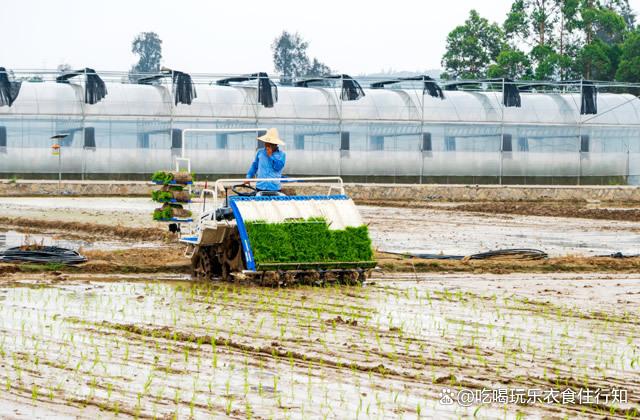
(359, 191)
(171, 260)
(620, 211)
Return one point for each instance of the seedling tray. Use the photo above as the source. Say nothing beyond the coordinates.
(172, 183)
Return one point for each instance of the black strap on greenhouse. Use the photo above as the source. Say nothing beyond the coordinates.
(351, 89)
(267, 90)
(510, 94)
(8, 90)
(430, 86)
(589, 102)
(588, 93)
(94, 90)
(42, 254)
(184, 90)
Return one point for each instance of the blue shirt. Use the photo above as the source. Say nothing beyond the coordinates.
(265, 166)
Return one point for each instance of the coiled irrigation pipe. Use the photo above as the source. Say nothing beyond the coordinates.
(44, 254)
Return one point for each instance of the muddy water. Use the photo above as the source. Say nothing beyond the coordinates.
(159, 347)
(462, 233)
(11, 238)
(125, 211)
(392, 229)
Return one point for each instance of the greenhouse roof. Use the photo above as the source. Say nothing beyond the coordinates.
(404, 100)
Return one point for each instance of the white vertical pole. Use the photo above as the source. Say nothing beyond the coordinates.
(60, 170)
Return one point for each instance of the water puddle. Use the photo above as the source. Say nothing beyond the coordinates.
(12, 238)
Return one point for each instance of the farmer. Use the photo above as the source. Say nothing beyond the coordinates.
(269, 162)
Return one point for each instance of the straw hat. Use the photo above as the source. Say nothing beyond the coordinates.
(272, 137)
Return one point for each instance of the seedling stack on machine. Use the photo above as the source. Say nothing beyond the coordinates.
(172, 195)
(266, 236)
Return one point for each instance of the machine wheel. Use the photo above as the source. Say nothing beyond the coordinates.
(287, 278)
(350, 277)
(270, 279)
(231, 256)
(205, 265)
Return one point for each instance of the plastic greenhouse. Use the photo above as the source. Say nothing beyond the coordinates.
(397, 133)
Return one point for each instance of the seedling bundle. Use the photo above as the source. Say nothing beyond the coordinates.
(178, 178)
(172, 195)
(308, 241)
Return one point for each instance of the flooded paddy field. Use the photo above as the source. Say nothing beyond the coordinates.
(439, 230)
(128, 334)
(436, 229)
(161, 346)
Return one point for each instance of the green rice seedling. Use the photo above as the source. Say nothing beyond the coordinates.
(228, 406)
(162, 176)
(308, 240)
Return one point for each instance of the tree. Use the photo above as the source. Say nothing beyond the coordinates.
(604, 30)
(472, 47)
(318, 69)
(511, 63)
(547, 27)
(623, 8)
(596, 61)
(148, 47)
(537, 19)
(63, 68)
(290, 56)
(550, 39)
(629, 68)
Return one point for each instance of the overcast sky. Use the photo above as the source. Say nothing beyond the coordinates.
(234, 37)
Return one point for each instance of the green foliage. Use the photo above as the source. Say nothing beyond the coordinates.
(564, 39)
(43, 267)
(547, 62)
(629, 68)
(308, 241)
(290, 58)
(472, 47)
(512, 64)
(599, 58)
(148, 47)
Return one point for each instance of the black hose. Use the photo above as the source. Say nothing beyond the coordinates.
(523, 253)
(45, 254)
(617, 255)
